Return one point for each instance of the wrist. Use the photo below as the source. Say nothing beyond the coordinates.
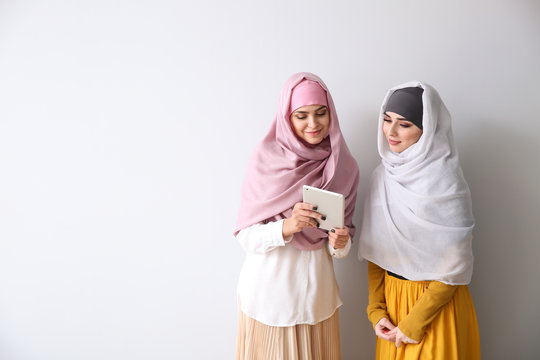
(285, 229)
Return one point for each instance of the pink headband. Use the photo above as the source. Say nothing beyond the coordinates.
(307, 92)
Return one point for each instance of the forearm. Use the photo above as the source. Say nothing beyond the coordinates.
(426, 308)
(376, 308)
(262, 238)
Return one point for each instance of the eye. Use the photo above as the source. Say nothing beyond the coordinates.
(300, 117)
(322, 113)
(405, 125)
(387, 120)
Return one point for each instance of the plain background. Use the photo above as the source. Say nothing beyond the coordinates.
(125, 131)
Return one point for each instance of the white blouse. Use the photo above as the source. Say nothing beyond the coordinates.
(281, 285)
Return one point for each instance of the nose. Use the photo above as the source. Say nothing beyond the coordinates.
(393, 128)
(312, 121)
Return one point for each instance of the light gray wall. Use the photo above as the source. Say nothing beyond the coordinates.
(125, 130)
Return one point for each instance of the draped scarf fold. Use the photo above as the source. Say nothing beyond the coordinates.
(417, 219)
(282, 163)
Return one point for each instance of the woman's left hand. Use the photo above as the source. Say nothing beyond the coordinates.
(401, 338)
(338, 237)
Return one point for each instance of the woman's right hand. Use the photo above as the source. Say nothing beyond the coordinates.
(382, 330)
(303, 215)
(401, 338)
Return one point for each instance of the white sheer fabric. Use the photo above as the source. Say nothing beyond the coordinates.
(281, 285)
(417, 217)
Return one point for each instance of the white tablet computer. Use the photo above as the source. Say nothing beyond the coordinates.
(329, 204)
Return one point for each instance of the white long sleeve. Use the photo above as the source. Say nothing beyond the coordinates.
(281, 285)
(262, 238)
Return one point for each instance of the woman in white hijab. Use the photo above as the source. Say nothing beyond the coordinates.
(416, 233)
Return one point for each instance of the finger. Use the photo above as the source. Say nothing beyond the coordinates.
(306, 206)
(332, 236)
(303, 224)
(398, 341)
(338, 234)
(332, 242)
(382, 335)
(308, 221)
(386, 337)
(342, 239)
(311, 213)
(337, 245)
(305, 209)
(404, 339)
(388, 324)
(337, 239)
(407, 340)
(341, 232)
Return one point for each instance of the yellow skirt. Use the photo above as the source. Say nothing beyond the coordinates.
(453, 334)
(257, 341)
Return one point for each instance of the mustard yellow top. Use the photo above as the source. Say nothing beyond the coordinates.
(426, 308)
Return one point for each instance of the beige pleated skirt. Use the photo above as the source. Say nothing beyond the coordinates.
(257, 341)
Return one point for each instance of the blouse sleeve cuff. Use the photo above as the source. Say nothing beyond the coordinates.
(339, 253)
(412, 330)
(376, 315)
(277, 234)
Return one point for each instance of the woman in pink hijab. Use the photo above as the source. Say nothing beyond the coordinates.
(287, 292)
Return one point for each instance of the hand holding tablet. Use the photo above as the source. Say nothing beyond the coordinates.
(303, 215)
(323, 209)
(330, 204)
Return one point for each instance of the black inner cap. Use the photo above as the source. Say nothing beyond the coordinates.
(407, 102)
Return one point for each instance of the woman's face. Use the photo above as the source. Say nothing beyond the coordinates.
(399, 132)
(311, 123)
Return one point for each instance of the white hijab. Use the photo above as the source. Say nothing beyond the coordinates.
(417, 217)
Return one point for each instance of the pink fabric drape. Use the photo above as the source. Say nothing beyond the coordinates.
(282, 163)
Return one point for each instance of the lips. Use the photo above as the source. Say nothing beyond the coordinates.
(313, 133)
(393, 142)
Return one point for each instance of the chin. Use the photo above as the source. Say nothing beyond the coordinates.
(314, 141)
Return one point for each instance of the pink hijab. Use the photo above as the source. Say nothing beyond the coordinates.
(282, 163)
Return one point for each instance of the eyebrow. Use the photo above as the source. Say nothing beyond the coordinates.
(399, 118)
(306, 112)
